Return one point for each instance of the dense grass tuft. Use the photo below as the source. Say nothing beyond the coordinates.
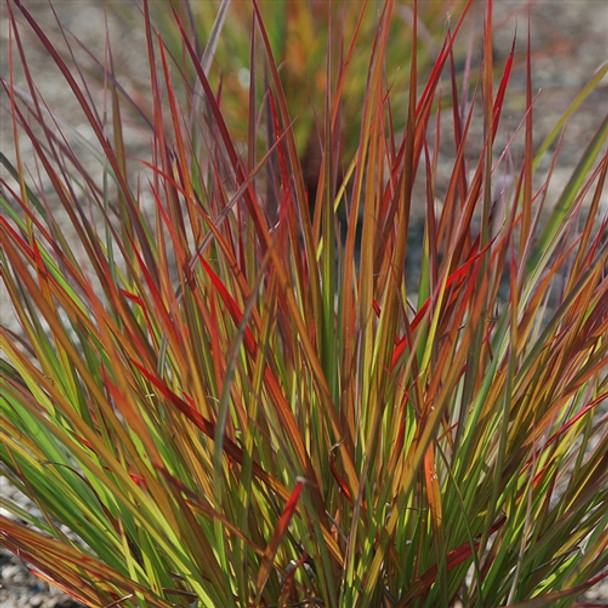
(226, 385)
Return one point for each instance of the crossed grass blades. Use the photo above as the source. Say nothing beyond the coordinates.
(232, 396)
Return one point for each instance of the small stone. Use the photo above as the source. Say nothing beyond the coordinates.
(14, 574)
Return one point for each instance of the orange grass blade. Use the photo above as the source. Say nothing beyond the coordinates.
(277, 537)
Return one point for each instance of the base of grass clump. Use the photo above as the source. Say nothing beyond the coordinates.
(232, 388)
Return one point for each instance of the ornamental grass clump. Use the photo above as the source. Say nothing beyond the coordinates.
(225, 390)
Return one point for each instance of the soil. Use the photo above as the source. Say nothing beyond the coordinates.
(568, 41)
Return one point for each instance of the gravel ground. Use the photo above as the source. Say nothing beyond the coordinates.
(568, 47)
